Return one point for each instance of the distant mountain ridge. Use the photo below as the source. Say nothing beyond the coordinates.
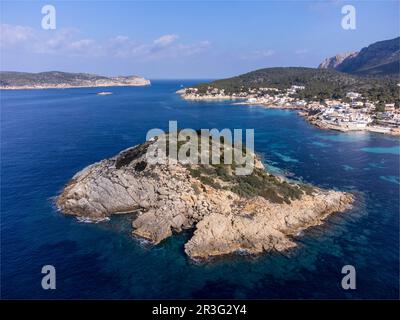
(379, 58)
(58, 79)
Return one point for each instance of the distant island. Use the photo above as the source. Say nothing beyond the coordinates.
(11, 80)
(230, 213)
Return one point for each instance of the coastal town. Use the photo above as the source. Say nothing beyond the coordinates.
(354, 113)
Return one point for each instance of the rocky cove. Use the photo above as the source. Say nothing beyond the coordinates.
(230, 213)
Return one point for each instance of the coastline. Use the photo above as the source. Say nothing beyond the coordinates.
(302, 111)
(373, 213)
(226, 220)
(145, 83)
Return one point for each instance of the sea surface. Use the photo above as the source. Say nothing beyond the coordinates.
(48, 135)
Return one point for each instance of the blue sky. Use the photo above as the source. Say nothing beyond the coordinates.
(191, 39)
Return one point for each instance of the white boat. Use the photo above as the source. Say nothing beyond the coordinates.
(104, 93)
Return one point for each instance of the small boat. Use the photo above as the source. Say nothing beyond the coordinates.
(104, 93)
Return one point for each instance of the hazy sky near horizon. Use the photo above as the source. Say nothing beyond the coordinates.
(191, 39)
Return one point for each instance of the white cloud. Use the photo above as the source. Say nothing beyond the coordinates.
(13, 35)
(70, 42)
(165, 40)
(163, 47)
(65, 42)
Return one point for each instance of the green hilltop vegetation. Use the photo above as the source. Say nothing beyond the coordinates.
(222, 176)
(259, 183)
(319, 83)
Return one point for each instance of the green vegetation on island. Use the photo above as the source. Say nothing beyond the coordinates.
(222, 175)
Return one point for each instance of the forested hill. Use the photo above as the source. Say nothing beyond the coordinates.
(322, 83)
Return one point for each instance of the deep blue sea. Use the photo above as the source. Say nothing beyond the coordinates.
(48, 135)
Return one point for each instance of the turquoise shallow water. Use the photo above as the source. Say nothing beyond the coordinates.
(385, 150)
(48, 135)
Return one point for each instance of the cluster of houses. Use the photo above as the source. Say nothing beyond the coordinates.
(356, 114)
(359, 114)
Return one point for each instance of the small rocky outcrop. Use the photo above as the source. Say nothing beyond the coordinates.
(256, 213)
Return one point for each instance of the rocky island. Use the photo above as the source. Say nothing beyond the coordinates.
(61, 80)
(230, 213)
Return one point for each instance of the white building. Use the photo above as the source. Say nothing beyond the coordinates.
(353, 95)
(297, 87)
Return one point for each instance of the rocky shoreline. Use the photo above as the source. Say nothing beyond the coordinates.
(255, 213)
(63, 86)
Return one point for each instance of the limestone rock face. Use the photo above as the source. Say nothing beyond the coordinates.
(261, 226)
(378, 59)
(334, 62)
(171, 198)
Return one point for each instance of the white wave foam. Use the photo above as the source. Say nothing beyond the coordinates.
(92, 220)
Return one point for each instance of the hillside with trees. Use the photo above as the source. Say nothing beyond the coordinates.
(319, 83)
